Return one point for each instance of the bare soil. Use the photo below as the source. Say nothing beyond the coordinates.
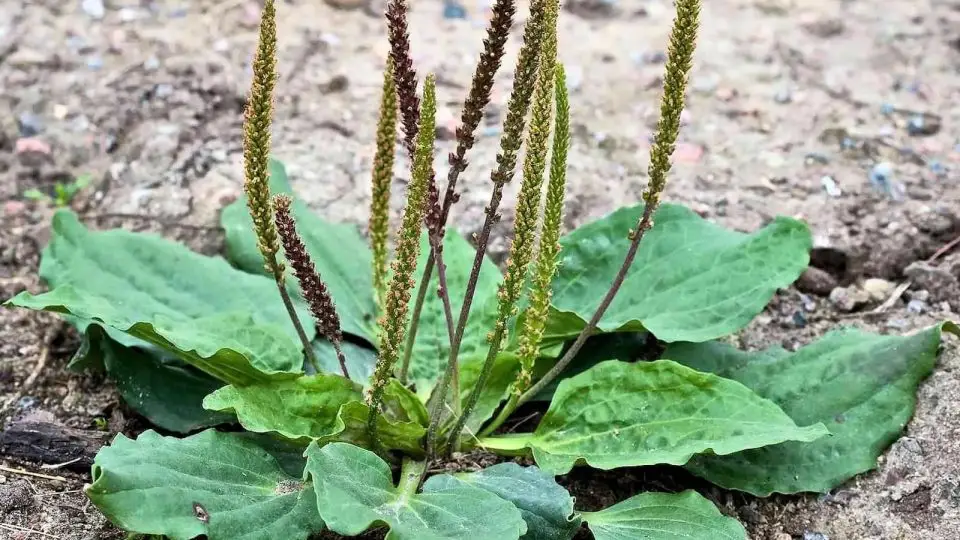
(792, 105)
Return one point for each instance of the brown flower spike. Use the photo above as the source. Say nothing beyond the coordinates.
(311, 284)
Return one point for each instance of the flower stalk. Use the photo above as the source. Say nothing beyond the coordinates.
(535, 316)
(683, 39)
(256, 159)
(405, 77)
(393, 323)
(517, 107)
(528, 211)
(498, 31)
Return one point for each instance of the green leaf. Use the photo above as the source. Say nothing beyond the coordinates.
(625, 346)
(360, 359)
(355, 491)
(227, 323)
(303, 408)
(324, 408)
(691, 281)
(338, 250)
(861, 386)
(623, 415)
(161, 389)
(400, 403)
(664, 516)
(432, 346)
(392, 434)
(214, 484)
(546, 507)
(36, 195)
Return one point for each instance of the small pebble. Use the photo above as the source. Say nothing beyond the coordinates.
(60, 111)
(830, 186)
(919, 124)
(29, 124)
(915, 125)
(816, 281)
(76, 43)
(95, 62)
(847, 299)
(916, 306)
(14, 208)
(807, 535)
(454, 10)
(129, 14)
(331, 40)
(93, 8)
(783, 96)
(881, 178)
(649, 57)
(151, 64)
(878, 289)
(937, 167)
(27, 402)
(886, 109)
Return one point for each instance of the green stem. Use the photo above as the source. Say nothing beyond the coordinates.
(411, 474)
(292, 311)
(507, 445)
(453, 442)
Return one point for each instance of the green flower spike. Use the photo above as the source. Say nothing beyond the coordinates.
(394, 320)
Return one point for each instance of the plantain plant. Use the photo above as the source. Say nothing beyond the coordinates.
(369, 375)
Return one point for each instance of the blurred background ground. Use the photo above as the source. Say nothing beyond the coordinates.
(840, 112)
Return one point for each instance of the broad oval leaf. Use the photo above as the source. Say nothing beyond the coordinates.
(431, 349)
(861, 386)
(355, 491)
(323, 408)
(664, 516)
(163, 390)
(305, 407)
(338, 250)
(692, 280)
(392, 434)
(618, 414)
(216, 484)
(227, 323)
(546, 506)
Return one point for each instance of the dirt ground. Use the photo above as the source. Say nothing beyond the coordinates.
(839, 112)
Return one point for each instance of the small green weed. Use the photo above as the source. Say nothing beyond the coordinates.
(63, 192)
